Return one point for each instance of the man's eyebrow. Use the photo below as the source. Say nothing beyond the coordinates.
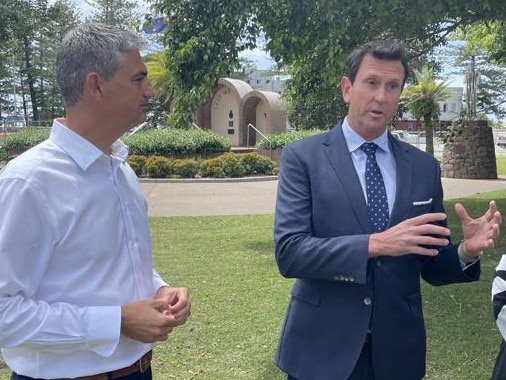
(140, 74)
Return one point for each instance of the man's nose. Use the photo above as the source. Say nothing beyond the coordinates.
(380, 94)
(149, 92)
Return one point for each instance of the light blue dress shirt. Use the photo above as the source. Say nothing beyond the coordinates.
(384, 157)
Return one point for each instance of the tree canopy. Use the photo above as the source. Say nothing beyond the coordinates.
(309, 38)
(421, 99)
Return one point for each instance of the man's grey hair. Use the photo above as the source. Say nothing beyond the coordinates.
(91, 47)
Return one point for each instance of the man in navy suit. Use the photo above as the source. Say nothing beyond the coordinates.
(356, 309)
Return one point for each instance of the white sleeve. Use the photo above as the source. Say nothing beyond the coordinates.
(499, 296)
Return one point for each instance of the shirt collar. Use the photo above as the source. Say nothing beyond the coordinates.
(354, 140)
(83, 152)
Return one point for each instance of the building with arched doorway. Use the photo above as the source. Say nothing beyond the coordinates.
(242, 114)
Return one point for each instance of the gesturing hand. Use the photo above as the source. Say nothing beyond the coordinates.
(482, 232)
(411, 236)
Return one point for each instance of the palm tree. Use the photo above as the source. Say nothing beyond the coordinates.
(160, 78)
(421, 99)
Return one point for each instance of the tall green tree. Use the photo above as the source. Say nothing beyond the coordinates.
(421, 99)
(476, 58)
(114, 12)
(29, 52)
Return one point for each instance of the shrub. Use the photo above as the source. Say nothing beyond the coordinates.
(212, 167)
(177, 143)
(185, 168)
(232, 165)
(255, 163)
(280, 140)
(158, 167)
(137, 162)
(24, 139)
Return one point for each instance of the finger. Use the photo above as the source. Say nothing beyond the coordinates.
(498, 217)
(424, 251)
(425, 219)
(462, 212)
(492, 207)
(160, 304)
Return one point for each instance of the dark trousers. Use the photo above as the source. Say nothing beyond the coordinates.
(363, 369)
(500, 363)
(146, 375)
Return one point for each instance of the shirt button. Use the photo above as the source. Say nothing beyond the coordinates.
(367, 300)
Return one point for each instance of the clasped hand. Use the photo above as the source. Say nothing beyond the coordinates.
(152, 320)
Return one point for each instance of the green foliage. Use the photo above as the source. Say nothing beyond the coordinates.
(26, 138)
(185, 168)
(34, 31)
(212, 167)
(422, 98)
(255, 163)
(137, 163)
(113, 12)
(280, 140)
(232, 165)
(158, 167)
(203, 43)
(312, 97)
(159, 76)
(311, 39)
(176, 143)
(455, 129)
(484, 36)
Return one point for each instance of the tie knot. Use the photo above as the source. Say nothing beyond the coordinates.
(369, 148)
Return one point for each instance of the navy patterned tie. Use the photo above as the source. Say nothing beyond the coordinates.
(377, 202)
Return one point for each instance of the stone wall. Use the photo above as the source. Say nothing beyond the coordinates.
(471, 153)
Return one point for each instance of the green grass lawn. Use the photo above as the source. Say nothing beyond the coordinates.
(239, 301)
(501, 165)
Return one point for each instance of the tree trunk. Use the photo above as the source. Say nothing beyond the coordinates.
(429, 135)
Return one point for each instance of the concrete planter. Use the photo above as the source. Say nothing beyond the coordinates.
(471, 153)
(273, 154)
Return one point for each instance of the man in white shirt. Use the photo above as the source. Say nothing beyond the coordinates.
(79, 297)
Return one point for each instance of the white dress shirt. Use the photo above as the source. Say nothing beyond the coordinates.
(74, 246)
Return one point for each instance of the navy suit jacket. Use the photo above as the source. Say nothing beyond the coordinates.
(321, 238)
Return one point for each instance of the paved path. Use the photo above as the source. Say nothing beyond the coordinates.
(200, 197)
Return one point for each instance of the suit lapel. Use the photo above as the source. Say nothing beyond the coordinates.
(339, 158)
(404, 182)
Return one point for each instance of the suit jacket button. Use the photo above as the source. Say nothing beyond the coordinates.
(367, 300)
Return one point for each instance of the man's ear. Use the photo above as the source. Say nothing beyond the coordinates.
(93, 84)
(345, 88)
